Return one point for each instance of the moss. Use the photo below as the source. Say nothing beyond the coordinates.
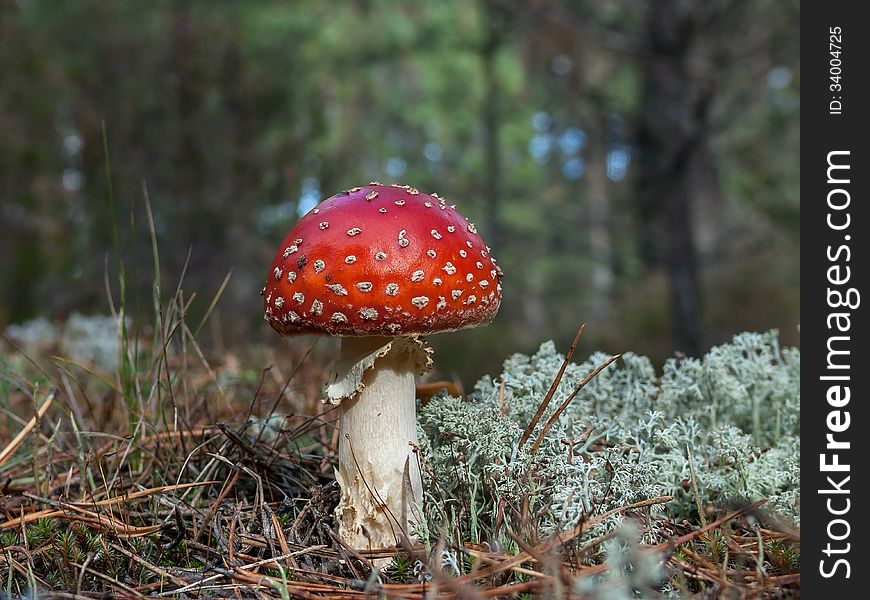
(626, 437)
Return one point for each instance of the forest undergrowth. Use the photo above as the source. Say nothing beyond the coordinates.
(159, 457)
(183, 472)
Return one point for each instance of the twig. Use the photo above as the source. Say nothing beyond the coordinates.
(12, 446)
(555, 416)
(552, 391)
(153, 568)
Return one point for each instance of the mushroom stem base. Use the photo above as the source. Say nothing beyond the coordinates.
(378, 472)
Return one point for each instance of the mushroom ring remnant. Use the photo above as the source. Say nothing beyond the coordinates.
(380, 266)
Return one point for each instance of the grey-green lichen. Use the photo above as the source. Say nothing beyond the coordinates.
(628, 436)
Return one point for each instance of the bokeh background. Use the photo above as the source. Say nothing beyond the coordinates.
(632, 163)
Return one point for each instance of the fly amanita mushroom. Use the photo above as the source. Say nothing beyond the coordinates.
(380, 266)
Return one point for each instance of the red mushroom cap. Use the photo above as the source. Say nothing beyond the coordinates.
(381, 260)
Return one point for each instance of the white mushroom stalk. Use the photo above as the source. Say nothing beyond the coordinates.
(378, 471)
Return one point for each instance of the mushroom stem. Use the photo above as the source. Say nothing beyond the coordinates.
(377, 470)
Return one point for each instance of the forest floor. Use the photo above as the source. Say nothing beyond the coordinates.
(158, 480)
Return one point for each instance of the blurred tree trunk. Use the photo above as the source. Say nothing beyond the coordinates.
(186, 63)
(670, 143)
(493, 39)
(599, 213)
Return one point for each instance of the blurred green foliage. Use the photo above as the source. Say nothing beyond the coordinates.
(235, 115)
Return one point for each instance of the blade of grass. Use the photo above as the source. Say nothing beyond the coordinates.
(695, 491)
(126, 371)
(214, 302)
(101, 376)
(155, 257)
